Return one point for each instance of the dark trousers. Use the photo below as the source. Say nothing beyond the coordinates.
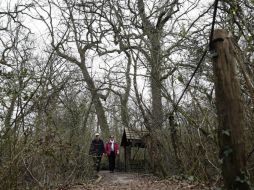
(97, 162)
(111, 159)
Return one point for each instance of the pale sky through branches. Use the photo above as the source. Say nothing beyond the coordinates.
(99, 66)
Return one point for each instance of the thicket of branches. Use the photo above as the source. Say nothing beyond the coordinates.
(69, 68)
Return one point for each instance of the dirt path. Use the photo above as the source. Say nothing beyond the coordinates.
(135, 181)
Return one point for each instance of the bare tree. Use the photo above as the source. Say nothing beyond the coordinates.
(82, 32)
(146, 38)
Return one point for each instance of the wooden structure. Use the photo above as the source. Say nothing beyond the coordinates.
(132, 138)
(230, 112)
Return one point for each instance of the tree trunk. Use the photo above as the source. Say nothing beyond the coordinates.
(230, 114)
(9, 145)
(102, 120)
(153, 33)
(156, 152)
(125, 97)
(157, 114)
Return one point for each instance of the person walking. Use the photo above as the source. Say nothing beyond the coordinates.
(112, 149)
(97, 150)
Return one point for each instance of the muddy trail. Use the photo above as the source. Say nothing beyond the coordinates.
(135, 181)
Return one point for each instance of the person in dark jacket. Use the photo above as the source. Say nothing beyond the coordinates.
(112, 149)
(97, 150)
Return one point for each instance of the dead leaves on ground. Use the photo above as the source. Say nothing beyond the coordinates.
(130, 181)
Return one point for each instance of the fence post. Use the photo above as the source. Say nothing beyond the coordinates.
(230, 113)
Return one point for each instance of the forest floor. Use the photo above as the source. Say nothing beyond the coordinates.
(135, 181)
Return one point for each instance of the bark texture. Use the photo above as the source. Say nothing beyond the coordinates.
(230, 113)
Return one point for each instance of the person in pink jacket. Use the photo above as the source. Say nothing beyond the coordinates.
(112, 150)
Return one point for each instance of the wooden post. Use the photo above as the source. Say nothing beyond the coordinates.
(230, 113)
(125, 169)
(128, 157)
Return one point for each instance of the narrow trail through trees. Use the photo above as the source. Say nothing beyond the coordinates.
(135, 181)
